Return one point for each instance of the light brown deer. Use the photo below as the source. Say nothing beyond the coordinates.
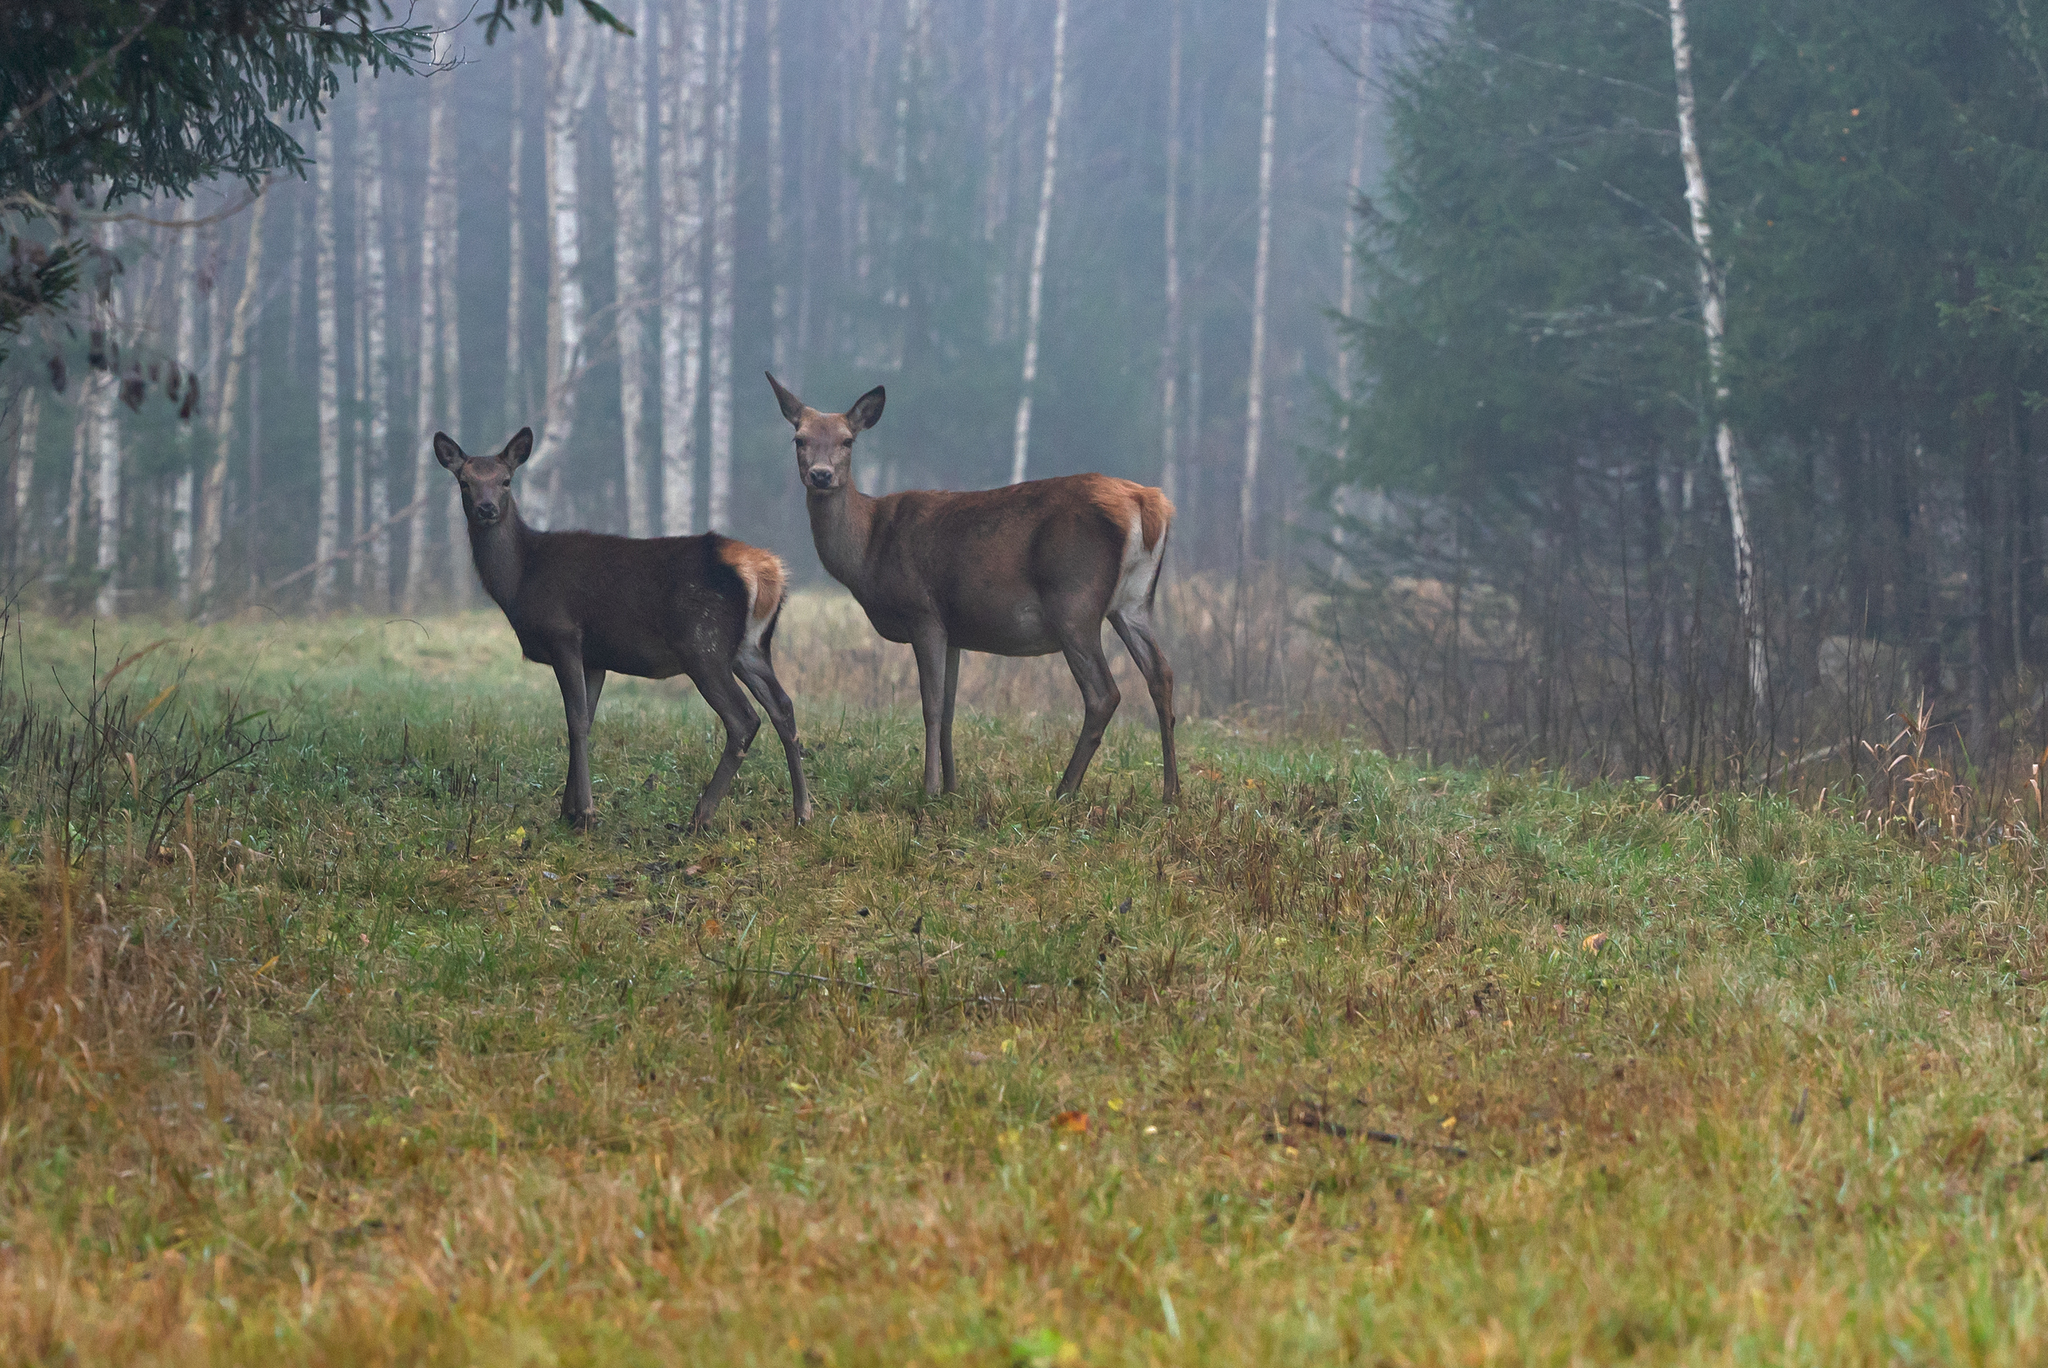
(655, 607)
(1025, 570)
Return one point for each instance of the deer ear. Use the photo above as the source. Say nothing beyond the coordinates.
(866, 410)
(518, 449)
(446, 452)
(792, 407)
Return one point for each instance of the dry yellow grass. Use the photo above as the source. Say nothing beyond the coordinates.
(1331, 1064)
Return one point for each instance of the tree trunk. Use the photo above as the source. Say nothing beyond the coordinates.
(436, 334)
(22, 487)
(74, 504)
(186, 358)
(1713, 316)
(684, 53)
(517, 400)
(1169, 349)
(1020, 454)
(569, 78)
(295, 312)
(106, 440)
(732, 43)
(461, 585)
(778, 267)
(327, 324)
(1347, 277)
(1255, 382)
(626, 98)
(995, 182)
(375, 290)
(213, 492)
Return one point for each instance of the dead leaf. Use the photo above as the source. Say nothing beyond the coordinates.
(1074, 1122)
(1593, 942)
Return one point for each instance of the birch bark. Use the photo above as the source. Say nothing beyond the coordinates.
(1347, 287)
(626, 99)
(435, 335)
(327, 326)
(376, 346)
(778, 267)
(1169, 350)
(684, 52)
(23, 484)
(106, 451)
(213, 492)
(1020, 455)
(569, 72)
(732, 43)
(461, 585)
(187, 361)
(1255, 382)
(516, 397)
(1713, 318)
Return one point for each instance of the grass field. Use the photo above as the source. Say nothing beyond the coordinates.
(362, 1058)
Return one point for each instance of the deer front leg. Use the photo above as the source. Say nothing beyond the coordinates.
(929, 642)
(946, 721)
(576, 800)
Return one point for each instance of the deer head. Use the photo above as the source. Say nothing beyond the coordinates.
(824, 441)
(486, 480)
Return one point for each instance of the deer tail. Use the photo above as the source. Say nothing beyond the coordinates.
(766, 582)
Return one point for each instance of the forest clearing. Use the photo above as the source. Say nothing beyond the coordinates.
(362, 1056)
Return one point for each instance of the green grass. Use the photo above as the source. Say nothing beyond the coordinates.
(1321, 1067)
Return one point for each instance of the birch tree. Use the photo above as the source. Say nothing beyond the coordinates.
(436, 264)
(732, 42)
(1020, 454)
(460, 584)
(626, 101)
(684, 73)
(1255, 382)
(516, 398)
(1169, 350)
(213, 491)
(778, 264)
(569, 49)
(186, 358)
(376, 344)
(1713, 319)
(327, 327)
(106, 445)
(23, 485)
(1354, 186)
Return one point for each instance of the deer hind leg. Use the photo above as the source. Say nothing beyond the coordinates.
(929, 642)
(1134, 625)
(593, 685)
(946, 719)
(576, 708)
(1099, 698)
(729, 701)
(757, 671)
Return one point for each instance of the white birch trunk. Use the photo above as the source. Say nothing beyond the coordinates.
(375, 290)
(1713, 316)
(105, 452)
(1255, 382)
(516, 399)
(427, 413)
(74, 505)
(1169, 350)
(732, 43)
(778, 267)
(684, 53)
(569, 70)
(626, 97)
(23, 485)
(186, 358)
(1347, 287)
(1020, 455)
(461, 585)
(213, 491)
(327, 326)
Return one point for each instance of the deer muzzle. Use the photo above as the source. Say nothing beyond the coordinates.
(821, 477)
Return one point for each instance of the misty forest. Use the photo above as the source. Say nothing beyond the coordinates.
(1552, 865)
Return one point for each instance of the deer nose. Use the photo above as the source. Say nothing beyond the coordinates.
(821, 477)
(487, 511)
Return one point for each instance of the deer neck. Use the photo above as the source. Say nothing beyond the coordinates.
(841, 522)
(499, 551)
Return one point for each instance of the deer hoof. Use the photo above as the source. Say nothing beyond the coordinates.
(579, 821)
(803, 815)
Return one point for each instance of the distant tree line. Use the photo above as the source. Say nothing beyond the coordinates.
(1641, 278)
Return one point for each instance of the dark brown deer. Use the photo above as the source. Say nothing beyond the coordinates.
(655, 607)
(1025, 570)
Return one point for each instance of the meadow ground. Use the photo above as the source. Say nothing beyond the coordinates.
(361, 1057)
